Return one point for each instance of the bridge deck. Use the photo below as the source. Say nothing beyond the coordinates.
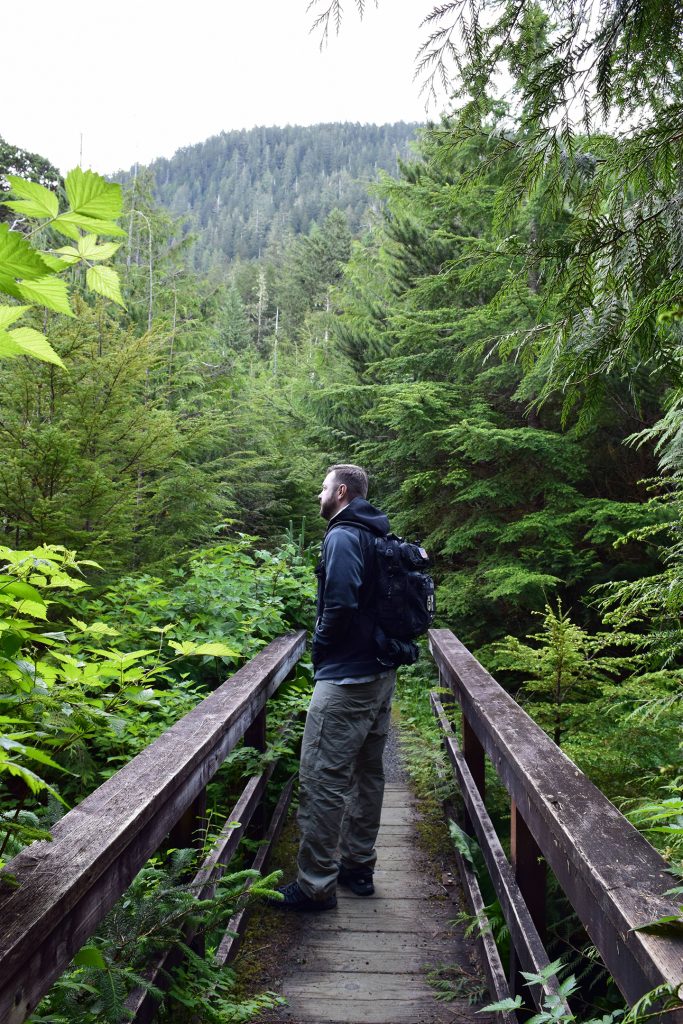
(366, 961)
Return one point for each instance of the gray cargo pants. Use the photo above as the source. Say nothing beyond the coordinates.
(342, 778)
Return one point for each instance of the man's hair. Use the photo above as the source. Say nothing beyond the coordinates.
(355, 478)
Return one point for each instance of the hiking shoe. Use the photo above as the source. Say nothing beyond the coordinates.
(358, 880)
(296, 899)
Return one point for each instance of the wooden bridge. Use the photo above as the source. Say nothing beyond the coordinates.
(614, 879)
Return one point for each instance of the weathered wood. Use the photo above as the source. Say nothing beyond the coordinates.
(530, 874)
(367, 960)
(342, 959)
(227, 949)
(189, 830)
(430, 948)
(473, 753)
(614, 879)
(488, 951)
(255, 737)
(348, 1006)
(529, 867)
(523, 934)
(67, 886)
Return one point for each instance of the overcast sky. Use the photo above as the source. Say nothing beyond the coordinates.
(140, 79)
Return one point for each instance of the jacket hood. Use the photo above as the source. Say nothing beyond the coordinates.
(361, 511)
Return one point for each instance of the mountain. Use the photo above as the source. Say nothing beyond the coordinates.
(242, 190)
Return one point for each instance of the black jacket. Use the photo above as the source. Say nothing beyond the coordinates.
(343, 641)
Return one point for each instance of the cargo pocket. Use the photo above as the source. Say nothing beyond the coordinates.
(311, 738)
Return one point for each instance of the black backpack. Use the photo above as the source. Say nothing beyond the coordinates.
(403, 601)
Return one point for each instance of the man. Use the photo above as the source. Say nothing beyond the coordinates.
(341, 773)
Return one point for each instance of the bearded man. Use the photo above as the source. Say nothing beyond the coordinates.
(341, 773)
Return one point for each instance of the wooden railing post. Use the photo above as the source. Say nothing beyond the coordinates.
(255, 737)
(530, 872)
(189, 832)
(474, 756)
(190, 829)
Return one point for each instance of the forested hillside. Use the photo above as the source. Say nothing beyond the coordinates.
(242, 192)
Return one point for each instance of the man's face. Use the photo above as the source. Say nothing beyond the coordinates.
(332, 497)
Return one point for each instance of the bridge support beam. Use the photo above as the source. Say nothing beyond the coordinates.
(529, 867)
(473, 753)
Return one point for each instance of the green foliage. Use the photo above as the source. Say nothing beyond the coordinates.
(451, 982)
(234, 589)
(593, 694)
(80, 696)
(31, 276)
(564, 669)
(661, 998)
(511, 506)
(152, 917)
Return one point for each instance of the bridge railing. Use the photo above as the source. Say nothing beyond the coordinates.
(64, 888)
(615, 880)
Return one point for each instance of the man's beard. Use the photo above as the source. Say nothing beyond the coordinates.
(327, 509)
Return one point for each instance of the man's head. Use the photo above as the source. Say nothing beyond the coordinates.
(343, 483)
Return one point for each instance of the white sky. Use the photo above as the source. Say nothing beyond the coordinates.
(140, 79)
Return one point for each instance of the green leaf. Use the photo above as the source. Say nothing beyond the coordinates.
(105, 281)
(69, 253)
(56, 263)
(47, 291)
(8, 315)
(217, 650)
(504, 1004)
(671, 926)
(23, 591)
(100, 629)
(88, 248)
(68, 224)
(34, 200)
(89, 194)
(185, 648)
(105, 251)
(38, 755)
(90, 956)
(18, 259)
(24, 341)
(461, 841)
(64, 226)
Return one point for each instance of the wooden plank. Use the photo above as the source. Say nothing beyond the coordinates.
(396, 798)
(366, 960)
(398, 815)
(400, 885)
(526, 940)
(371, 986)
(67, 886)
(424, 926)
(393, 857)
(325, 940)
(349, 1009)
(384, 912)
(488, 950)
(408, 961)
(614, 879)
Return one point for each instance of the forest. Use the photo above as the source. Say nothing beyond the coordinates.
(240, 193)
(488, 319)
